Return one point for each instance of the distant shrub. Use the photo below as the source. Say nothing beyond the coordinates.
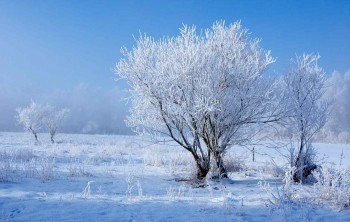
(152, 158)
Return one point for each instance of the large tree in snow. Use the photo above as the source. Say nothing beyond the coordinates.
(203, 90)
(305, 85)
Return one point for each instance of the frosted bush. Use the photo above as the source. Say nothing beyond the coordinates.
(46, 168)
(283, 202)
(184, 161)
(273, 169)
(171, 193)
(331, 189)
(139, 188)
(181, 190)
(7, 170)
(30, 168)
(87, 190)
(11, 166)
(180, 159)
(332, 186)
(228, 202)
(179, 193)
(153, 158)
(129, 177)
(23, 154)
(76, 168)
(129, 181)
(232, 162)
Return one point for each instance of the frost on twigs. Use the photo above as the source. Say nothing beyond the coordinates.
(205, 91)
(37, 116)
(52, 120)
(307, 111)
(87, 190)
(285, 202)
(47, 165)
(31, 118)
(332, 186)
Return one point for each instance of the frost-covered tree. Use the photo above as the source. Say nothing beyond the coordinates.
(305, 85)
(203, 90)
(31, 118)
(36, 116)
(53, 118)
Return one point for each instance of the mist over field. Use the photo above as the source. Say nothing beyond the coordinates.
(103, 111)
(91, 110)
(338, 125)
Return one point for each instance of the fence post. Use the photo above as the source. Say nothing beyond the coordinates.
(253, 154)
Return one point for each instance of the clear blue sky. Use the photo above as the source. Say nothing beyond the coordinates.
(58, 44)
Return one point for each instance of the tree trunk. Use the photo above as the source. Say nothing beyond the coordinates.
(34, 133)
(36, 137)
(298, 174)
(52, 141)
(216, 150)
(222, 169)
(222, 173)
(303, 172)
(202, 172)
(203, 167)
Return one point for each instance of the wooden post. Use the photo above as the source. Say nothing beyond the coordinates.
(253, 154)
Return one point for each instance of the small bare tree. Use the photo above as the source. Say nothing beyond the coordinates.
(36, 116)
(31, 118)
(53, 118)
(203, 91)
(305, 85)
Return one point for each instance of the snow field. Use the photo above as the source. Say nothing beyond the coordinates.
(127, 178)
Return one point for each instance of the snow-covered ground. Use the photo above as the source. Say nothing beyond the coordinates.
(126, 178)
